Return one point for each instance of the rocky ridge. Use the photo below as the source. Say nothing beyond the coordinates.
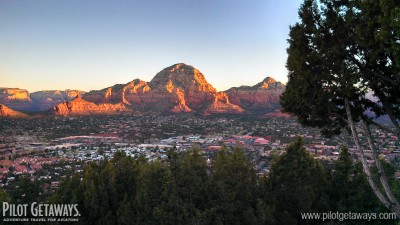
(176, 89)
(263, 96)
(129, 93)
(83, 107)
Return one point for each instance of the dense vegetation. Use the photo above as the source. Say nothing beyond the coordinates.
(189, 190)
(344, 72)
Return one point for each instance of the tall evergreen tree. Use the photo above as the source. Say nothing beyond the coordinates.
(233, 188)
(349, 190)
(148, 199)
(337, 56)
(27, 191)
(296, 184)
(377, 53)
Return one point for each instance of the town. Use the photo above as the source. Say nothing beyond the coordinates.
(50, 149)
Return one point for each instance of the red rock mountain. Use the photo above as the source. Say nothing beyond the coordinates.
(20, 99)
(78, 106)
(15, 98)
(178, 88)
(5, 111)
(187, 90)
(263, 96)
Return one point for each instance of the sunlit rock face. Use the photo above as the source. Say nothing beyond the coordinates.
(45, 100)
(179, 88)
(78, 106)
(20, 99)
(5, 111)
(263, 96)
(185, 89)
(120, 93)
(15, 98)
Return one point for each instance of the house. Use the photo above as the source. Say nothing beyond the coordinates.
(336, 154)
(4, 170)
(20, 169)
(261, 141)
(214, 148)
(36, 167)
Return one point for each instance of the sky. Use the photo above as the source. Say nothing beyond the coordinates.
(93, 44)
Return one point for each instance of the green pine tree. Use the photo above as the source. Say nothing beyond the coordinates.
(296, 184)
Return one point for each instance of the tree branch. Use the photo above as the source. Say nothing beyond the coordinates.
(380, 126)
(362, 67)
(391, 116)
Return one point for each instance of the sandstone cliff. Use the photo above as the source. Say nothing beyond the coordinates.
(221, 104)
(78, 106)
(129, 93)
(263, 96)
(15, 98)
(183, 88)
(177, 88)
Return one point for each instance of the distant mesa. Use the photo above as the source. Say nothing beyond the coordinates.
(15, 98)
(179, 88)
(44, 100)
(22, 100)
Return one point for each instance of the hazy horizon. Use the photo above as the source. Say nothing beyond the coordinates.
(110, 85)
(47, 45)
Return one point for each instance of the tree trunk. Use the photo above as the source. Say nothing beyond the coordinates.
(380, 126)
(371, 182)
(381, 172)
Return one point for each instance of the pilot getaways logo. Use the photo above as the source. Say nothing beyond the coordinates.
(36, 212)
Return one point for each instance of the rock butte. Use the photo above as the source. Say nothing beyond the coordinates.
(179, 88)
(82, 107)
(5, 111)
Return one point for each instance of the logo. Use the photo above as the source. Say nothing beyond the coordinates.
(36, 212)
